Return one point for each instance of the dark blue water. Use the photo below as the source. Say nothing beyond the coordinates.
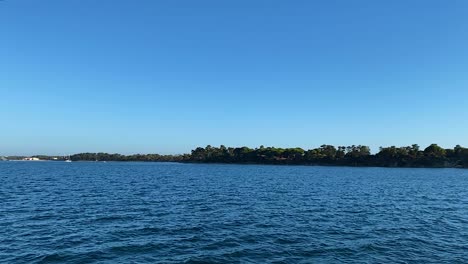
(55, 212)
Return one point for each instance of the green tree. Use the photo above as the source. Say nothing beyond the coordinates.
(434, 151)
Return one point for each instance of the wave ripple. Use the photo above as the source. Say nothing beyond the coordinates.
(54, 212)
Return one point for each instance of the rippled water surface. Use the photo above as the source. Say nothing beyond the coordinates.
(55, 212)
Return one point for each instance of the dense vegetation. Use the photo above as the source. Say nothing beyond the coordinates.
(410, 156)
(133, 157)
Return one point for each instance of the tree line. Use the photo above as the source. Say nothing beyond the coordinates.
(409, 156)
(327, 155)
(134, 157)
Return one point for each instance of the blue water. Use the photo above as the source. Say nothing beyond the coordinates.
(85, 212)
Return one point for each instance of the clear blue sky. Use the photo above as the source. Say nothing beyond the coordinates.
(166, 76)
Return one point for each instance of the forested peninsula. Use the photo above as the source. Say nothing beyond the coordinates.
(432, 156)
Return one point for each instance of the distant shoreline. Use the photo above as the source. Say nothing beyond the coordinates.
(247, 164)
(432, 156)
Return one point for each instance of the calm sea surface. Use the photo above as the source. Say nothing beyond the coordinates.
(92, 212)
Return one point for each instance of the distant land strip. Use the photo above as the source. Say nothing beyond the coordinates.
(433, 156)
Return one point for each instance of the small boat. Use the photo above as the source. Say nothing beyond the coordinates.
(68, 159)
